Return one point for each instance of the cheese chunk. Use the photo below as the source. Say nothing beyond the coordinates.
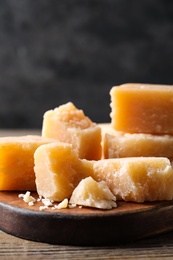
(68, 124)
(90, 193)
(142, 108)
(59, 170)
(135, 145)
(137, 179)
(17, 161)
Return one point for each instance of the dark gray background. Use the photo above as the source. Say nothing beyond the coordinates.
(55, 51)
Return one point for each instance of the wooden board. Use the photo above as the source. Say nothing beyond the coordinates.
(84, 226)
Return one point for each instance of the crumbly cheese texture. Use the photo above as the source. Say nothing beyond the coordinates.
(17, 161)
(59, 170)
(137, 179)
(90, 193)
(119, 145)
(68, 124)
(142, 108)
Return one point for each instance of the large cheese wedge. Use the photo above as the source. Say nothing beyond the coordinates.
(59, 170)
(142, 108)
(135, 145)
(17, 161)
(137, 179)
(68, 124)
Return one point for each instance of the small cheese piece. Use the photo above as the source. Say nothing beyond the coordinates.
(90, 193)
(137, 179)
(142, 108)
(68, 124)
(17, 161)
(59, 170)
(28, 198)
(135, 145)
(63, 204)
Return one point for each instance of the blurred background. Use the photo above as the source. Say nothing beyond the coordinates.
(55, 51)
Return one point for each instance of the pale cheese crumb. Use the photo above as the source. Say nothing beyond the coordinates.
(47, 202)
(40, 198)
(71, 206)
(27, 198)
(43, 208)
(21, 195)
(62, 205)
(31, 203)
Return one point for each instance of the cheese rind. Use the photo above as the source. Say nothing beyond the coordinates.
(142, 108)
(68, 124)
(17, 161)
(137, 179)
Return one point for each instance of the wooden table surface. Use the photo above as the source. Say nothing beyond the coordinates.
(11, 247)
(154, 248)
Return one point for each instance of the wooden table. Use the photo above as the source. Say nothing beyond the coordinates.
(11, 247)
(154, 248)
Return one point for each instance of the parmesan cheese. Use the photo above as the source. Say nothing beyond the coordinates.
(28, 198)
(142, 108)
(90, 193)
(68, 124)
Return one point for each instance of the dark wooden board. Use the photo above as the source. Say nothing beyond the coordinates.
(84, 226)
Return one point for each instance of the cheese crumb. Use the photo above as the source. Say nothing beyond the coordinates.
(62, 205)
(43, 208)
(40, 198)
(71, 206)
(20, 195)
(31, 203)
(47, 202)
(28, 198)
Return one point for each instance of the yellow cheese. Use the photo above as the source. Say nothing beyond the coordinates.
(142, 108)
(137, 179)
(90, 193)
(17, 161)
(69, 124)
(59, 170)
(135, 145)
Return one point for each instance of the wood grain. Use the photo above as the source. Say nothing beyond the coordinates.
(86, 226)
(158, 247)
